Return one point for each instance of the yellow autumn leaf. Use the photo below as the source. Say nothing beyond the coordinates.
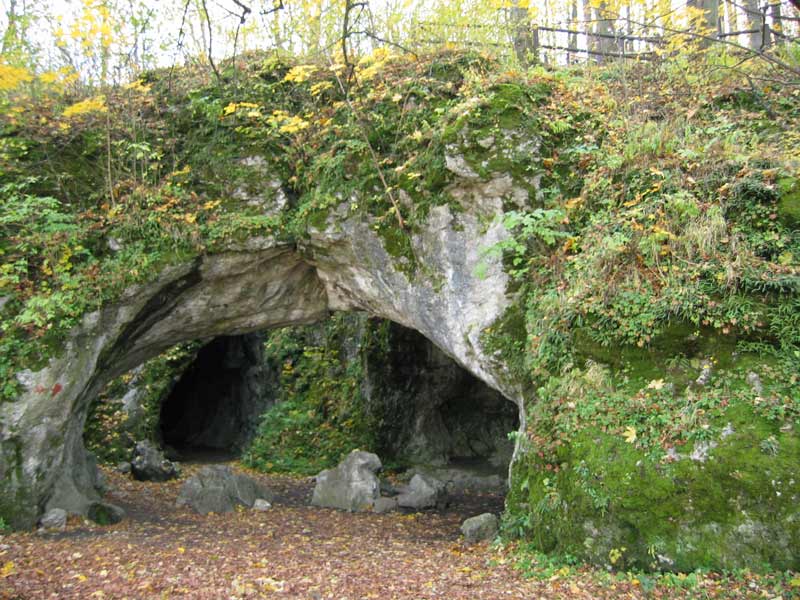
(229, 109)
(300, 73)
(90, 105)
(11, 77)
(7, 570)
(630, 434)
(320, 87)
(138, 86)
(49, 78)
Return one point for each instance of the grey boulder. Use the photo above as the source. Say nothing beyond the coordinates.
(384, 505)
(149, 464)
(423, 491)
(55, 518)
(350, 486)
(219, 489)
(480, 528)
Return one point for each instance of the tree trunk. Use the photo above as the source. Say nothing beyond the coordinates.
(777, 21)
(591, 40)
(522, 35)
(11, 33)
(755, 23)
(573, 37)
(605, 27)
(709, 24)
(731, 16)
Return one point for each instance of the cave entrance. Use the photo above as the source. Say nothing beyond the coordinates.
(425, 410)
(213, 410)
(436, 414)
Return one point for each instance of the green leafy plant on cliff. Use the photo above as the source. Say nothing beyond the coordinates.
(320, 415)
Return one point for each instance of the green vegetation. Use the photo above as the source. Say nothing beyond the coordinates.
(111, 430)
(173, 166)
(321, 414)
(661, 301)
(699, 583)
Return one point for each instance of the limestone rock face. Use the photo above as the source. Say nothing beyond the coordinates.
(352, 485)
(480, 528)
(384, 505)
(219, 489)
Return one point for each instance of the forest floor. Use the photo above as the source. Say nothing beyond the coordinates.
(294, 551)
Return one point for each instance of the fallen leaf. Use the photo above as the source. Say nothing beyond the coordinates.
(630, 434)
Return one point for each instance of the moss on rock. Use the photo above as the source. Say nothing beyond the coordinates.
(608, 502)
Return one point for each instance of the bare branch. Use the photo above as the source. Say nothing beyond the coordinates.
(210, 43)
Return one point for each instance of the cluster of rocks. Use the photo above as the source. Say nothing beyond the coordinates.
(220, 489)
(354, 486)
(149, 464)
(102, 513)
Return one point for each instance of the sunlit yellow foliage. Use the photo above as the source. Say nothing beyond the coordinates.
(232, 107)
(94, 24)
(90, 105)
(138, 86)
(11, 77)
(49, 78)
(372, 64)
(320, 87)
(287, 123)
(300, 73)
(61, 77)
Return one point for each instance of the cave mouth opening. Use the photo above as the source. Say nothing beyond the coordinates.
(212, 412)
(429, 412)
(437, 417)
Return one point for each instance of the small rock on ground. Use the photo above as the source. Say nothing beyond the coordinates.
(55, 518)
(480, 528)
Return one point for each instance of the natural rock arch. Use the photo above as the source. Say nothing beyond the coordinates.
(259, 284)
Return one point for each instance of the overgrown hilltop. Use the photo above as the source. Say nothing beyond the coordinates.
(654, 258)
(102, 192)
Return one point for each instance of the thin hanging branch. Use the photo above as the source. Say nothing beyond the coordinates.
(350, 66)
(210, 42)
(179, 45)
(242, 19)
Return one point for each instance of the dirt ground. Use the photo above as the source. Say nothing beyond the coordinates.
(290, 551)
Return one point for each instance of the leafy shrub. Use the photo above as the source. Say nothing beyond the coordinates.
(321, 415)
